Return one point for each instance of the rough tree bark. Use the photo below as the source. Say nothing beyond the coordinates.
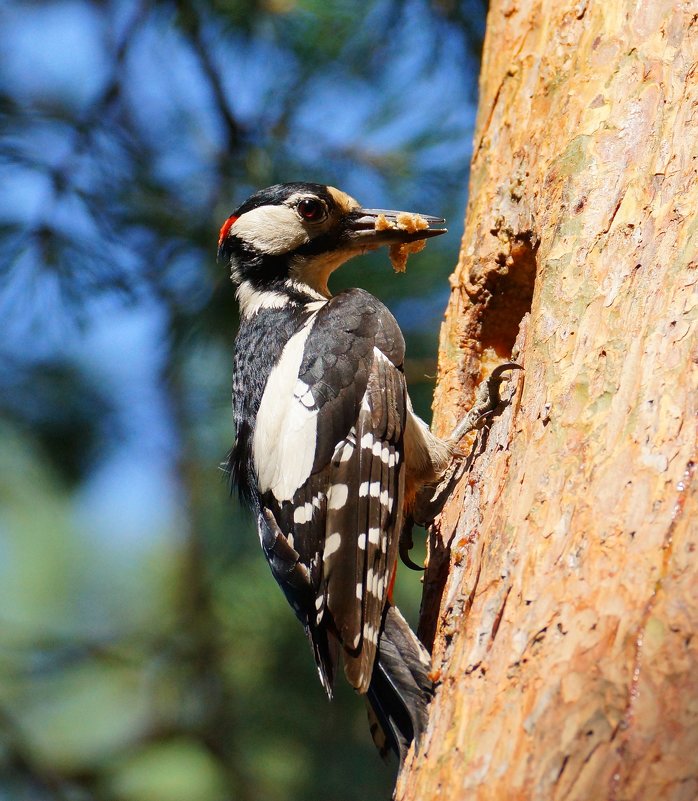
(562, 588)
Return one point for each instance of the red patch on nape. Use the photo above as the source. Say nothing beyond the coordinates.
(227, 225)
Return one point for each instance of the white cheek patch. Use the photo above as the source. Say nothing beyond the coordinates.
(283, 447)
(271, 229)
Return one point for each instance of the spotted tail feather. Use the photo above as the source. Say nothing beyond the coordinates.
(400, 689)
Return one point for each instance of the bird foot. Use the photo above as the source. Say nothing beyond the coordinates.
(406, 544)
(431, 500)
(486, 401)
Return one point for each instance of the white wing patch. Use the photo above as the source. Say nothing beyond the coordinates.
(332, 544)
(337, 496)
(283, 447)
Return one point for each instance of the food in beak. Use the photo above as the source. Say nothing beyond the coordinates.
(403, 231)
(404, 221)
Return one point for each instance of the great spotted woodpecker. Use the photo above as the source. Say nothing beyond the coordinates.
(328, 452)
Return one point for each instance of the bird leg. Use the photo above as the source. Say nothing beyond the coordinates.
(431, 500)
(486, 401)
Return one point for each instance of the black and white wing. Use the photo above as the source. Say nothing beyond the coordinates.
(328, 455)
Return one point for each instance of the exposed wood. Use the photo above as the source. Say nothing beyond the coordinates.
(565, 633)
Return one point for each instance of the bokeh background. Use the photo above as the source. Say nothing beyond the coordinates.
(146, 654)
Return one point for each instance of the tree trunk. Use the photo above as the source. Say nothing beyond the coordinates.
(562, 588)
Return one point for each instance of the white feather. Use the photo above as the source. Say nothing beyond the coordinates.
(271, 229)
(332, 544)
(251, 300)
(283, 447)
(337, 496)
(426, 456)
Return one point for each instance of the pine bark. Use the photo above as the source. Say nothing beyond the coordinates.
(562, 587)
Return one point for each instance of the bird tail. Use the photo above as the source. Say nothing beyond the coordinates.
(400, 688)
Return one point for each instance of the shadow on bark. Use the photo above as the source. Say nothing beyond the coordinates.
(498, 307)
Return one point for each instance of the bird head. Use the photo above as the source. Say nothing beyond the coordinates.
(296, 234)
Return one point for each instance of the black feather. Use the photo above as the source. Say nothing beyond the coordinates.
(257, 349)
(352, 366)
(400, 689)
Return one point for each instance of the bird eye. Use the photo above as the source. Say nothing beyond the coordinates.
(311, 209)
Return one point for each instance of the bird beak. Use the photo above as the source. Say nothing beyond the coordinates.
(372, 228)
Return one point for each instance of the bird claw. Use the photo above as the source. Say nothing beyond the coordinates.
(431, 500)
(406, 544)
(486, 402)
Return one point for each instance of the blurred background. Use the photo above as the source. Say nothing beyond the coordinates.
(146, 653)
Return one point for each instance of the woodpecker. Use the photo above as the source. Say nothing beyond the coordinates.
(328, 453)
